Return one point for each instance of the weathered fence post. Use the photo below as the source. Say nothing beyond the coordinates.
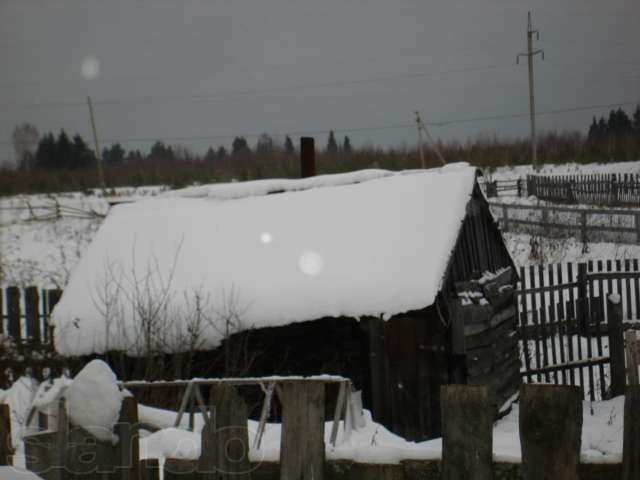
(616, 344)
(225, 439)
(149, 469)
(13, 314)
(467, 432)
(128, 449)
(550, 431)
(61, 445)
(583, 307)
(505, 218)
(32, 314)
(632, 350)
(180, 469)
(631, 435)
(584, 234)
(302, 450)
(6, 451)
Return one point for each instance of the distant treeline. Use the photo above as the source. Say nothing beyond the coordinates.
(61, 163)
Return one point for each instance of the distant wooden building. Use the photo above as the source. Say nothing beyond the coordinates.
(400, 281)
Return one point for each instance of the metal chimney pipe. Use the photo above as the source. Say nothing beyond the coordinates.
(307, 157)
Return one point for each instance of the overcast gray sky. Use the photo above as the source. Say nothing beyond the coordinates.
(198, 72)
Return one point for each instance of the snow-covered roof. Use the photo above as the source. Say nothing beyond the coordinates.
(364, 243)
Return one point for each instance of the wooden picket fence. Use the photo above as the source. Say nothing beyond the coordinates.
(571, 322)
(550, 427)
(27, 331)
(612, 189)
(498, 188)
(25, 314)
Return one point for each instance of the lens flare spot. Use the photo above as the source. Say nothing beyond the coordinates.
(266, 237)
(90, 68)
(311, 263)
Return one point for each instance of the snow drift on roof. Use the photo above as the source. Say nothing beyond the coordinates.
(379, 247)
(235, 190)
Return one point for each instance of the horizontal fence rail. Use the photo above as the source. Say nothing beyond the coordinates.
(564, 320)
(586, 224)
(612, 189)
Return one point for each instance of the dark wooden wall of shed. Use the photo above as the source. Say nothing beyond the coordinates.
(410, 362)
(479, 247)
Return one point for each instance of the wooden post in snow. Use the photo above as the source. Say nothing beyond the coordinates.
(225, 439)
(5, 435)
(32, 314)
(61, 445)
(13, 314)
(550, 431)
(582, 300)
(128, 448)
(632, 350)
(149, 469)
(616, 344)
(302, 450)
(467, 432)
(631, 435)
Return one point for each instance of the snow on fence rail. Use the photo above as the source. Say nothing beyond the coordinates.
(611, 189)
(45, 212)
(605, 225)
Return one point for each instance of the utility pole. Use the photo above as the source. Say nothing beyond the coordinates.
(423, 128)
(419, 125)
(95, 140)
(532, 103)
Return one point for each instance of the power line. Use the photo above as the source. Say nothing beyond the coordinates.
(213, 96)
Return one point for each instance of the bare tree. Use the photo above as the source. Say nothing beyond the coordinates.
(25, 139)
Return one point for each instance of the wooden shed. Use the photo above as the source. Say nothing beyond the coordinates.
(399, 280)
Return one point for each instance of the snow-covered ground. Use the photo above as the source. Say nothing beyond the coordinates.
(42, 237)
(564, 250)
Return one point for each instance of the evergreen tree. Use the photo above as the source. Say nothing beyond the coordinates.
(81, 154)
(222, 152)
(239, 146)
(210, 156)
(288, 146)
(619, 123)
(636, 120)
(114, 155)
(46, 152)
(134, 156)
(264, 145)
(161, 152)
(64, 151)
(346, 145)
(593, 130)
(602, 127)
(332, 146)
